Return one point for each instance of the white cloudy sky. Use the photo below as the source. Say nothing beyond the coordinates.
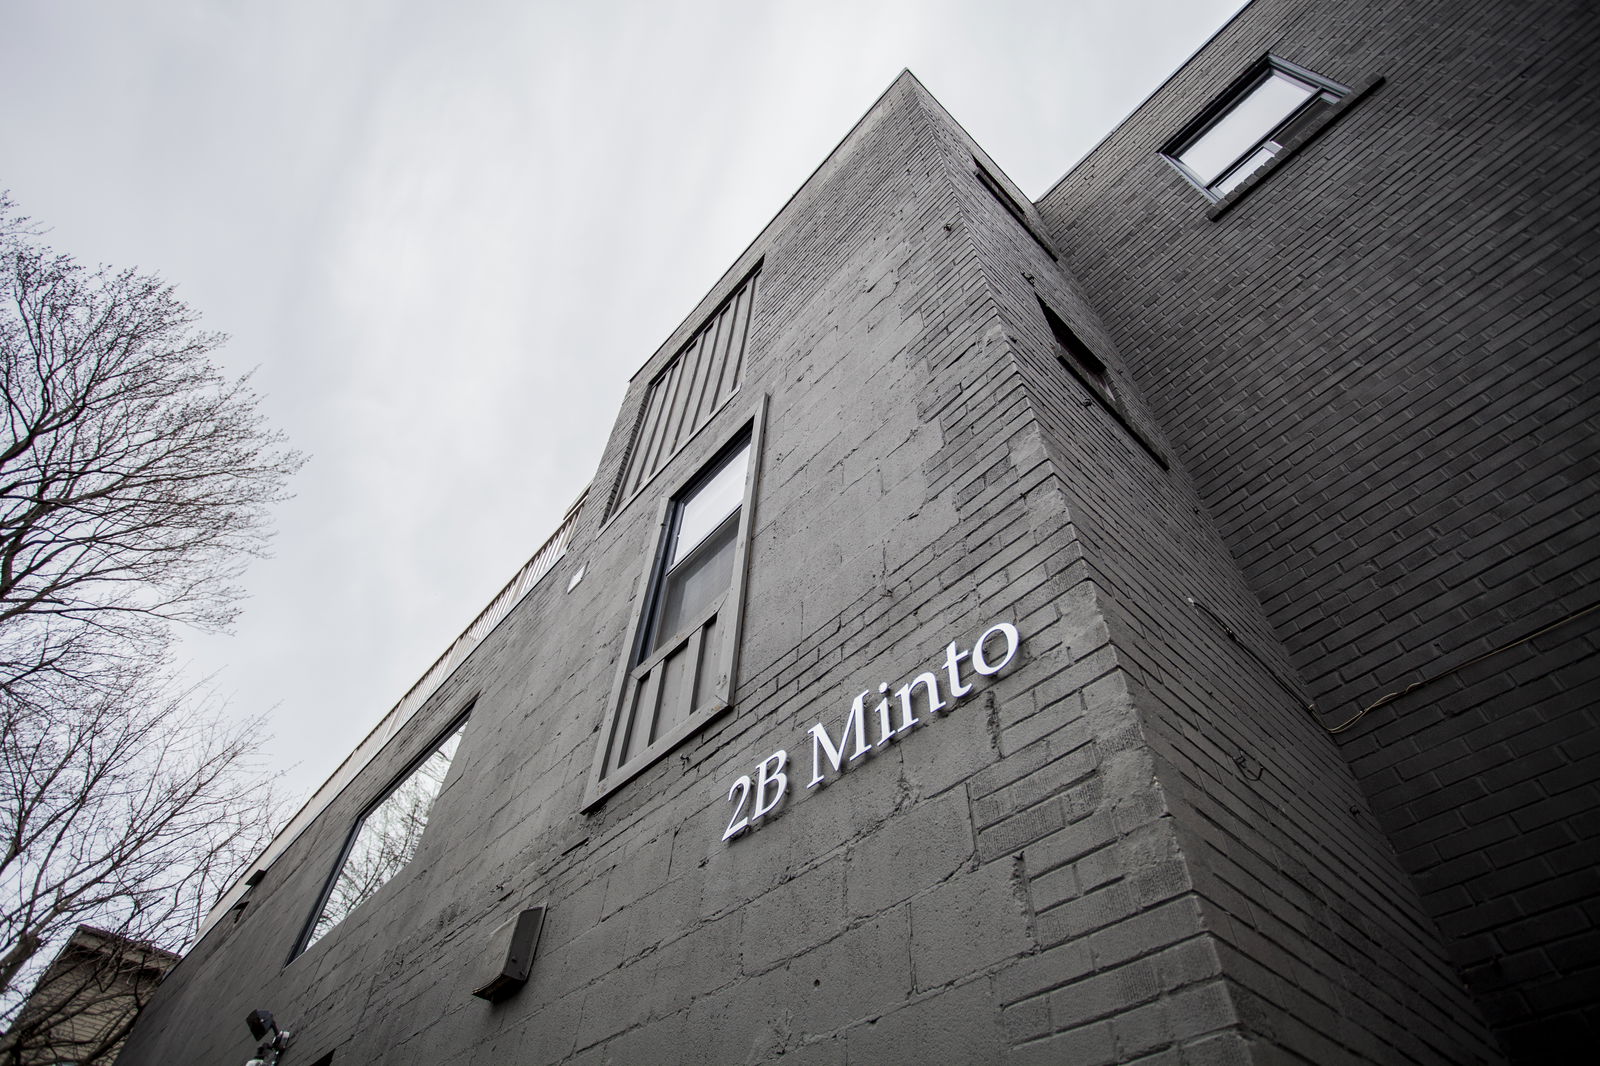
(445, 234)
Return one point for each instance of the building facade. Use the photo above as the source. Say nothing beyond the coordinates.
(977, 642)
(85, 1001)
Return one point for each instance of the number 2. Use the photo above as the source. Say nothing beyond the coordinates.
(740, 821)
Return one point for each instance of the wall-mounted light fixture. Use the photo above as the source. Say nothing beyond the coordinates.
(520, 935)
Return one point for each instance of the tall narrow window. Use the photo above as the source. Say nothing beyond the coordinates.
(698, 566)
(679, 670)
(385, 837)
(1250, 124)
(1077, 357)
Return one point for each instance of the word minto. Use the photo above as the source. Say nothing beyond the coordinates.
(771, 779)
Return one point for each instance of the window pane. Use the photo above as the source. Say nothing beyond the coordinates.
(701, 578)
(387, 839)
(715, 499)
(1257, 159)
(1245, 125)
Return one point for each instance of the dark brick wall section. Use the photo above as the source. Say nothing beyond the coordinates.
(1322, 942)
(1378, 368)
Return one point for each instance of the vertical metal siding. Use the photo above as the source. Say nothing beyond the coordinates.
(702, 377)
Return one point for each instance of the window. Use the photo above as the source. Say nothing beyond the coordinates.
(1267, 112)
(1077, 357)
(699, 558)
(385, 837)
(678, 672)
(1092, 373)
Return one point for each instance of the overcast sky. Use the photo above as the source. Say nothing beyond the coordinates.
(445, 234)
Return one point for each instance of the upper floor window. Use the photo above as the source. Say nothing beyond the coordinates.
(698, 564)
(678, 671)
(1092, 372)
(385, 837)
(1077, 357)
(1255, 120)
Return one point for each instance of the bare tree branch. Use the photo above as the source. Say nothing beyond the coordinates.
(134, 477)
(135, 480)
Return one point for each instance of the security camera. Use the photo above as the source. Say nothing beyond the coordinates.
(260, 1023)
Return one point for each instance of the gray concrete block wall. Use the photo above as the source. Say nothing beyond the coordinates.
(1375, 367)
(903, 504)
(1325, 952)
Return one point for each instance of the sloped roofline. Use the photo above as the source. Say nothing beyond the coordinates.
(1151, 95)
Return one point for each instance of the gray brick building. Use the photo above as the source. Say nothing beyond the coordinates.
(1172, 600)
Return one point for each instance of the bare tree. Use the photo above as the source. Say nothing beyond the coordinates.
(135, 480)
(134, 477)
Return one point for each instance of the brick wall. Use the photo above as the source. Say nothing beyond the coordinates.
(903, 503)
(1324, 952)
(1376, 367)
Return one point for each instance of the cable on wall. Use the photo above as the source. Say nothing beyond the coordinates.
(1311, 707)
(1392, 696)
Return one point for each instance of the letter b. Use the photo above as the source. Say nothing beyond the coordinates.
(773, 778)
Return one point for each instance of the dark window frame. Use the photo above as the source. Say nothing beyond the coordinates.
(644, 661)
(1094, 375)
(998, 190)
(1328, 100)
(303, 942)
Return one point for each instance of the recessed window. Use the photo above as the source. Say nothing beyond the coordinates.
(1256, 120)
(1007, 201)
(699, 557)
(1092, 373)
(385, 837)
(679, 669)
(1077, 357)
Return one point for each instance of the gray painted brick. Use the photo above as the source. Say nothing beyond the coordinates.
(1372, 378)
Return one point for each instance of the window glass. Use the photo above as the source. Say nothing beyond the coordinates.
(387, 838)
(713, 500)
(701, 578)
(1246, 124)
(683, 647)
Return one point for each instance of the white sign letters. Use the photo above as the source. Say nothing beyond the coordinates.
(992, 652)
